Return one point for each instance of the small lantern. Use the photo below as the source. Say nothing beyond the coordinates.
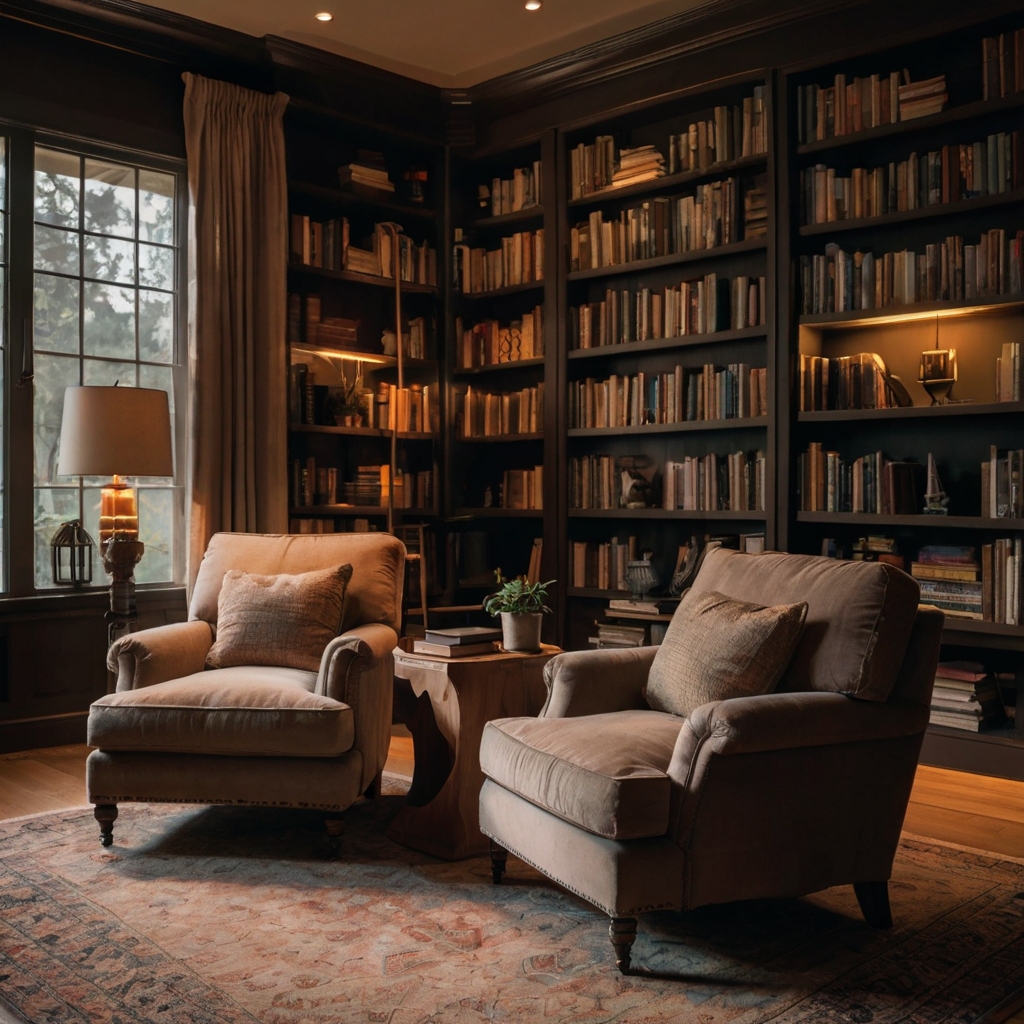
(71, 555)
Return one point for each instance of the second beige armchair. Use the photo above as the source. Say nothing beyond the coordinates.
(176, 731)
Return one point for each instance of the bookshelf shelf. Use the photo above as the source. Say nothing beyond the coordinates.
(340, 510)
(671, 181)
(374, 432)
(498, 513)
(596, 593)
(351, 277)
(374, 360)
(917, 125)
(501, 438)
(497, 293)
(670, 260)
(962, 206)
(515, 364)
(912, 311)
(687, 426)
(517, 217)
(340, 197)
(668, 344)
(666, 513)
(936, 522)
(912, 412)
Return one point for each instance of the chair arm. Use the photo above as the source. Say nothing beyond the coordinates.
(596, 682)
(358, 669)
(155, 655)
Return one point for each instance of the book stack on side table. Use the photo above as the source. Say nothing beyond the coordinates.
(459, 642)
(966, 696)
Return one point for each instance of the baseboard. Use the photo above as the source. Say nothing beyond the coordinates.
(33, 733)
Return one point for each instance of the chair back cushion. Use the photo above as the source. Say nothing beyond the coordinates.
(377, 559)
(716, 648)
(859, 615)
(281, 620)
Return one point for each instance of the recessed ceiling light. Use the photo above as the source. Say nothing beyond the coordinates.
(327, 16)
(534, 5)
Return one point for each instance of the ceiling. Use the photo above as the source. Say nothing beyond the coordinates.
(449, 43)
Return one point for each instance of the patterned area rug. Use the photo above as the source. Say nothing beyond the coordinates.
(226, 915)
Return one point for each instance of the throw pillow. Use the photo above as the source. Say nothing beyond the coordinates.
(716, 648)
(285, 621)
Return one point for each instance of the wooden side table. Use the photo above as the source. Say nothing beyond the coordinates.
(446, 702)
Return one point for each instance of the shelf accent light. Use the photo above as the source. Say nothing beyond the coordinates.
(324, 16)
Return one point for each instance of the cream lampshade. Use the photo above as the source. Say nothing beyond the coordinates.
(116, 432)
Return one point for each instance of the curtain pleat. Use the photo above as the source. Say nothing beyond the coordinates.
(238, 239)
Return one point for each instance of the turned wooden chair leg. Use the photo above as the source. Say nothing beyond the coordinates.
(106, 815)
(499, 858)
(623, 934)
(335, 828)
(873, 898)
(373, 790)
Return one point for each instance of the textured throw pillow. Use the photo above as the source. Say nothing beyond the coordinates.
(285, 621)
(716, 648)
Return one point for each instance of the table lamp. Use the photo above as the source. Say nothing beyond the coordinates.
(119, 433)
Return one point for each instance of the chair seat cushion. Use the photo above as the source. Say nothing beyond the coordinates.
(239, 711)
(604, 773)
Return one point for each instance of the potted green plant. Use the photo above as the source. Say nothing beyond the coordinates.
(346, 402)
(521, 607)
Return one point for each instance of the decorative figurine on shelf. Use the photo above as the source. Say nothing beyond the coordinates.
(641, 577)
(938, 374)
(637, 490)
(687, 564)
(936, 501)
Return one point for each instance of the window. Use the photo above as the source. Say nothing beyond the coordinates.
(104, 312)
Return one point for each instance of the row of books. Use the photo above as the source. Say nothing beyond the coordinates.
(486, 414)
(946, 271)
(1002, 64)
(311, 485)
(845, 107)
(990, 167)
(860, 381)
(520, 260)
(953, 578)
(510, 195)
(700, 306)
(675, 396)
(966, 696)
(489, 342)
(306, 324)
(413, 409)
(522, 488)
(327, 245)
(731, 133)
(1008, 373)
(735, 482)
(1001, 484)
(602, 564)
(871, 484)
(659, 227)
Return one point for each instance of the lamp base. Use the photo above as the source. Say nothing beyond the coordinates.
(120, 556)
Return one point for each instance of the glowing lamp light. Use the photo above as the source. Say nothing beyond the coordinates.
(534, 5)
(324, 16)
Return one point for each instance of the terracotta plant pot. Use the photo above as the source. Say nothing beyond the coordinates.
(521, 631)
(349, 420)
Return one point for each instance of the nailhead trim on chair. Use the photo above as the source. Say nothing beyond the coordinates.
(565, 885)
(229, 803)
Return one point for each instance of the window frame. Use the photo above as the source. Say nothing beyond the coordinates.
(18, 354)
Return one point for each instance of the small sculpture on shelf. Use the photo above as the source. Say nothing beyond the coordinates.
(939, 374)
(641, 577)
(637, 489)
(936, 501)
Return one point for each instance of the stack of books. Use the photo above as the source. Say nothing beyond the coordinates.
(918, 99)
(459, 642)
(875, 548)
(950, 579)
(644, 163)
(755, 213)
(368, 170)
(365, 489)
(966, 696)
(613, 636)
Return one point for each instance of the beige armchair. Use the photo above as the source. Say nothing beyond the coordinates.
(776, 795)
(174, 731)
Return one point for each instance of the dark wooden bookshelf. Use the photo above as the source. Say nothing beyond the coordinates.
(596, 593)
(670, 260)
(686, 426)
(918, 125)
(912, 311)
(912, 412)
(514, 364)
(670, 182)
(350, 276)
(627, 348)
(501, 438)
(935, 210)
(374, 432)
(319, 511)
(498, 513)
(497, 293)
(343, 197)
(516, 217)
(993, 525)
(667, 513)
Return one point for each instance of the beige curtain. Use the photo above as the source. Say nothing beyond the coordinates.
(237, 311)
